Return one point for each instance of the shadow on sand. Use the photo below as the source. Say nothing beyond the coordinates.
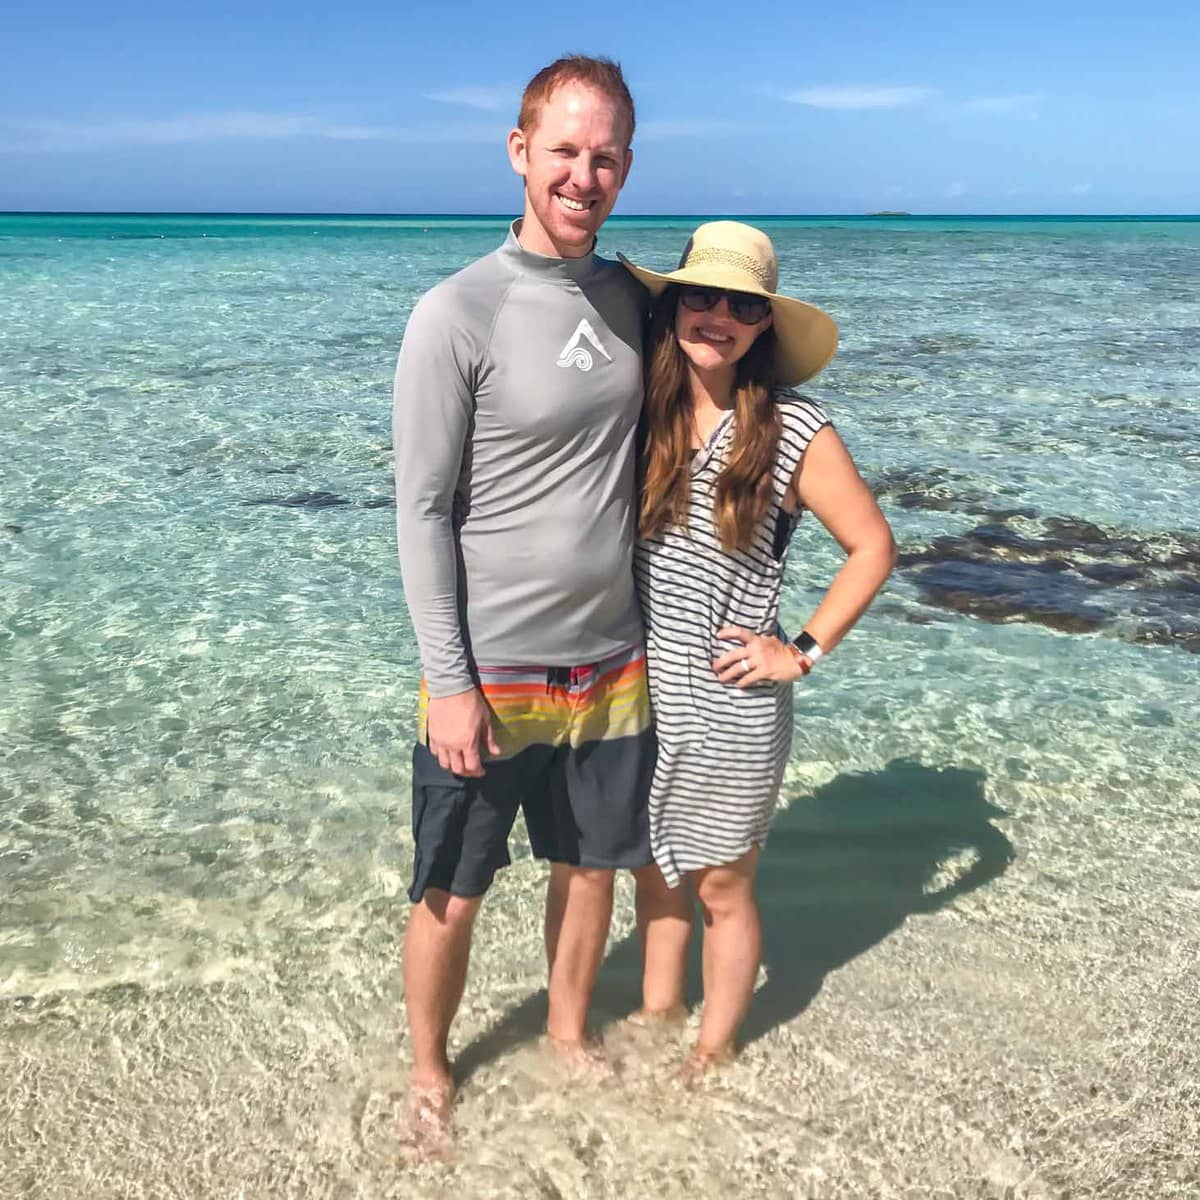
(844, 868)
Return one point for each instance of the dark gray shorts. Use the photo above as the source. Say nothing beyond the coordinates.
(582, 785)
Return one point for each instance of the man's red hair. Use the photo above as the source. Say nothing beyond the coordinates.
(602, 74)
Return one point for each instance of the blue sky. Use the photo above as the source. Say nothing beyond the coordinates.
(377, 107)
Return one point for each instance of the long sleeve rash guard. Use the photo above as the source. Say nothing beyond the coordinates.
(516, 401)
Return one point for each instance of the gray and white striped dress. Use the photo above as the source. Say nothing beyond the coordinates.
(721, 749)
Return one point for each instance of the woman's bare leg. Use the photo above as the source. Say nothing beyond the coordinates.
(732, 951)
(664, 920)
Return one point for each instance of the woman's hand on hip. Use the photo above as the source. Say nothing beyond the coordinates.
(757, 659)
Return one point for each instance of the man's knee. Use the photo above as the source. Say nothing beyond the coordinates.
(654, 899)
(582, 884)
(650, 879)
(594, 879)
(651, 887)
(454, 912)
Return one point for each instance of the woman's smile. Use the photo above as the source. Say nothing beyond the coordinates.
(715, 337)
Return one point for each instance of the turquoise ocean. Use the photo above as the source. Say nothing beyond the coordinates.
(210, 676)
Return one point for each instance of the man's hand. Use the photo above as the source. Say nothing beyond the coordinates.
(458, 726)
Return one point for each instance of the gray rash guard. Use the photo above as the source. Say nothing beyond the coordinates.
(516, 401)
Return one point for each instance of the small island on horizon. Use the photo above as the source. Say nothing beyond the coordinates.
(889, 212)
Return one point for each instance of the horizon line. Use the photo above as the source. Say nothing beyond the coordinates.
(882, 214)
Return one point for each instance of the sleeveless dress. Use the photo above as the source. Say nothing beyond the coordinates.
(721, 749)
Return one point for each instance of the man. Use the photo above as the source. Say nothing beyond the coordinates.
(517, 395)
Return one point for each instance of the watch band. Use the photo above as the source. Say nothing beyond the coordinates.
(808, 646)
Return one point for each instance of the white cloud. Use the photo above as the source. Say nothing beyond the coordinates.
(40, 136)
(489, 99)
(857, 97)
(1081, 189)
(1024, 105)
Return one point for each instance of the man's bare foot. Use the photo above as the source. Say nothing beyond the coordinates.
(583, 1059)
(659, 1018)
(700, 1065)
(427, 1134)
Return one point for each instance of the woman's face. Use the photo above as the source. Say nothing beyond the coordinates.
(715, 339)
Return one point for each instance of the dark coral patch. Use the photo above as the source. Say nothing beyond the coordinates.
(302, 500)
(1067, 574)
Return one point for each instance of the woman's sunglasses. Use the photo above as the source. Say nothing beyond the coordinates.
(743, 307)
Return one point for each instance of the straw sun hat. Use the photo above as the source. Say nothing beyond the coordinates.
(740, 258)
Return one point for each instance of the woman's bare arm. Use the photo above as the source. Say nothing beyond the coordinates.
(828, 484)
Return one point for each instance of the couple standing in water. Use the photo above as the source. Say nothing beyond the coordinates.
(638, 725)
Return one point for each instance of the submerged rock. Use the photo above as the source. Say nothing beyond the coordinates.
(302, 500)
(940, 490)
(322, 500)
(1067, 574)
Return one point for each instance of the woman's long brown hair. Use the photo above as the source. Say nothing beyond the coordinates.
(743, 491)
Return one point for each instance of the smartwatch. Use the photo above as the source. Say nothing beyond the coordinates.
(808, 646)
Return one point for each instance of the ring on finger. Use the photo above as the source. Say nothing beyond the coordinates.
(745, 666)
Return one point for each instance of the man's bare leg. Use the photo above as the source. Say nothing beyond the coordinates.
(437, 949)
(579, 902)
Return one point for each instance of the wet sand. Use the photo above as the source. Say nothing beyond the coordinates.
(958, 1001)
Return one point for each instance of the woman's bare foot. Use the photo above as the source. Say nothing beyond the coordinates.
(700, 1065)
(427, 1133)
(584, 1059)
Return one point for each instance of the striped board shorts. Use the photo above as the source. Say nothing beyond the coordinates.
(577, 752)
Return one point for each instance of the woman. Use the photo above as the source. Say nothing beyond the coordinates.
(731, 460)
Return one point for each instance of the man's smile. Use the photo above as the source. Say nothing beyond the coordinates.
(573, 205)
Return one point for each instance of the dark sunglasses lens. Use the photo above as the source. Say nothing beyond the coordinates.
(700, 299)
(748, 309)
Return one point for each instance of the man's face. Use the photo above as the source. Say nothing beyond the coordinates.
(574, 162)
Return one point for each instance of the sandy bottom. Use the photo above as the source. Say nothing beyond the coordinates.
(956, 1003)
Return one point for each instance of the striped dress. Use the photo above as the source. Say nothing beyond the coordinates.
(721, 749)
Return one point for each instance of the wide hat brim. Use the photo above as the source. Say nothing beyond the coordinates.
(806, 337)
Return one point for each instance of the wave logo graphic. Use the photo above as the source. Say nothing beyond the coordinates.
(576, 354)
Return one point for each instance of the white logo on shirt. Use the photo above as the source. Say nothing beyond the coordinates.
(575, 354)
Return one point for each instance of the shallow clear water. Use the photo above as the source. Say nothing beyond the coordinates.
(210, 675)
